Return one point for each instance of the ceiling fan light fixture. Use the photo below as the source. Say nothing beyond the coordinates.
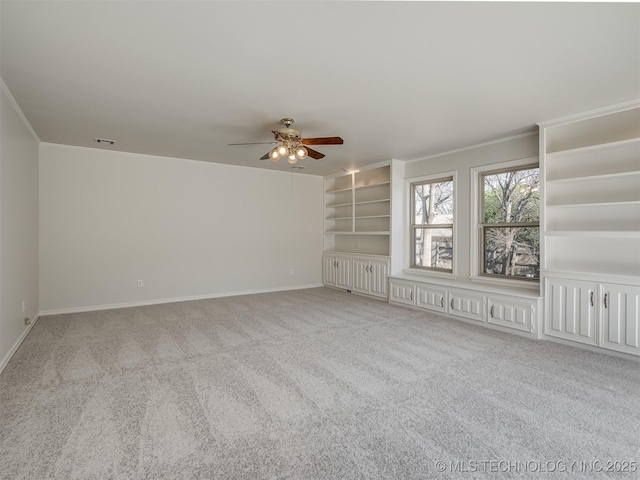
(292, 159)
(301, 152)
(282, 150)
(274, 154)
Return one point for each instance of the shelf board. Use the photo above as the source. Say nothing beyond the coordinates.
(380, 200)
(338, 190)
(592, 177)
(594, 204)
(339, 205)
(629, 278)
(388, 182)
(595, 148)
(372, 216)
(333, 232)
(338, 218)
(594, 233)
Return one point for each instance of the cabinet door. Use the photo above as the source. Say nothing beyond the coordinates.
(571, 312)
(621, 318)
(361, 275)
(402, 292)
(466, 305)
(378, 273)
(431, 298)
(329, 270)
(510, 313)
(343, 274)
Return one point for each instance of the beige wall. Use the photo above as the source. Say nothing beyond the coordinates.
(18, 226)
(186, 228)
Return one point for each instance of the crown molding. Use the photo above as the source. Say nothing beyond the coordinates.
(18, 110)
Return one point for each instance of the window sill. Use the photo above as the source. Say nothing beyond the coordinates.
(430, 273)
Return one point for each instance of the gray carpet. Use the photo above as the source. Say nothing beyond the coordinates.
(309, 384)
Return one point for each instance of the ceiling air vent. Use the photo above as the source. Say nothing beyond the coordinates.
(104, 141)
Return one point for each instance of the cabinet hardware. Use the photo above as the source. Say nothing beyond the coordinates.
(452, 304)
(605, 299)
(335, 264)
(491, 311)
(410, 294)
(368, 268)
(442, 302)
(592, 299)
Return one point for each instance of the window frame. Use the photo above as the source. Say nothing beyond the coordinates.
(436, 178)
(481, 227)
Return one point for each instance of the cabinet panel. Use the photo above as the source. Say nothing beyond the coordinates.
(621, 318)
(378, 273)
(343, 273)
(402, 292)
(329, 268)
(431, 298)
(360, 275)
(466, 305)
(508, 313)
(571, 310)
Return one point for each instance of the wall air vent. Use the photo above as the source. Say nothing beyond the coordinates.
(297, 167)
(104, 141)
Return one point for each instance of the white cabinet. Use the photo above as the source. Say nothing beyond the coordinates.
(336, 271)
(510, 313)
(431, 298)
(402, 292)
(606, 315)
(466, 304)
(370, 276)
(621, 318)
(515, 310)
(571, 310)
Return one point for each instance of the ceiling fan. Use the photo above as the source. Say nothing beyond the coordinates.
(291, 145)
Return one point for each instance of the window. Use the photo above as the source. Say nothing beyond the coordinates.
(432, 224)
(510, 223)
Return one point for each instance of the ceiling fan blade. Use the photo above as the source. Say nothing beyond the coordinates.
(314, 154)
(253, 143)
(323, 141)
(265, 156)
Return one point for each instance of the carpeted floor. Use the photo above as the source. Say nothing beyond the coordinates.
(308, 384)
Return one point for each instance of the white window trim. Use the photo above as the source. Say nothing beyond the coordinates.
(474, 228)
(408, 200)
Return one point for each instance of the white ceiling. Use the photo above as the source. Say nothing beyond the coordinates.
(395, 79)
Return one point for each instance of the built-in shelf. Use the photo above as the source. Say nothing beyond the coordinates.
(337, 232)
(379, 200)
(358, 212)
(372, 185)
(591, 194)
(339, 190)
(594, 204)
(594, 233)
(582, 178)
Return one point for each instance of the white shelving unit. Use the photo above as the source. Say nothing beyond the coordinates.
(357, 212)
(357, 231)
(590, 166)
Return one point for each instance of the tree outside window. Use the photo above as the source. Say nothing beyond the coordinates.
(432, 224)
(511, 223)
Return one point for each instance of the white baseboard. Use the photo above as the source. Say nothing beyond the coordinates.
(16, 345)
(143, 303)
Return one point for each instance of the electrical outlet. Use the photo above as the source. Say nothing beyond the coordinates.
(140, 284)
(27, 321)
(293, 272)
